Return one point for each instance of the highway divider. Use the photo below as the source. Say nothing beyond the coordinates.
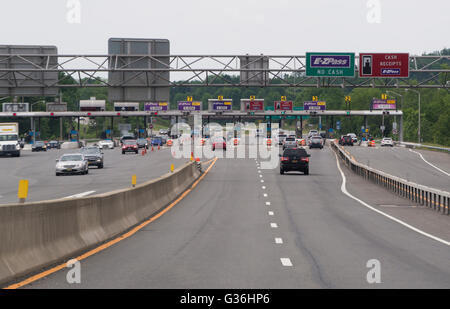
(426, 196)
(36, 235)
(414, 145)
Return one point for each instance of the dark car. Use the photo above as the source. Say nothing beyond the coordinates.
(316, 142)
(346, 140)
(142, 143)
(38, 146)
(157, 141)
(93, 156)
(53, 145)
(294, 159)
(130, 145)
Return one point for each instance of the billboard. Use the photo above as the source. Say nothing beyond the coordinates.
(379, 104)
(284, 105)
(33, 82)
(330, 64)
(189, 106)
(134, 85)
(156, 107)
(126, 106)
(15, 107)
(384, 65)
(315, 105)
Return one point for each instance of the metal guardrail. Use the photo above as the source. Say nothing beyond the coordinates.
(426, 196)
(415, 145)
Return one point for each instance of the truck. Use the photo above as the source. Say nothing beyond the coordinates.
(9, 139)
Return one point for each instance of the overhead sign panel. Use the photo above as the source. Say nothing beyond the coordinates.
(220, 105)
(126, 106)
(379, 104)
(156, 107)
(15, 107)
(284, 105)
(315, 105)
(56, 107)
(255, 105)
(189, 106)
(384, 65)
(330, 64)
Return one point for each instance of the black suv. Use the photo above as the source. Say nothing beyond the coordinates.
(294, 159)
(93, 155)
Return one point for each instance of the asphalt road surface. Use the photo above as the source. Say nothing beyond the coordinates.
(243, 227)
(407, 164)
(39, 169)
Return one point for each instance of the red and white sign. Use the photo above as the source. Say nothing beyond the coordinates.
(255, 106)
(384, 65)
(284, 105)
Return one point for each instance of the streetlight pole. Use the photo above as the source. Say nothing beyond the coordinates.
(418, 132)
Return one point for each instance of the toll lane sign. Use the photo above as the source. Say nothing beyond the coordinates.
(383, 65)
(330, 64)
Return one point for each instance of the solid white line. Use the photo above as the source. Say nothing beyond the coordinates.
(440, 170)
(80, 194)
(278, 240)
(286, 262)
(270, 213)
(274, 225)
(344, 190)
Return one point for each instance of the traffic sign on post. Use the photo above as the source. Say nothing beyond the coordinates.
(330, 64)
(384, 65)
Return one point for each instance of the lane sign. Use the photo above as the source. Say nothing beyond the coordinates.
(384, 65)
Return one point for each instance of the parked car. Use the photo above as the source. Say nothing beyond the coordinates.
(93, 155)
(38, 146)
(294, 159)
(387, 141)
(106, 144)
(72, 164)
(129, 145)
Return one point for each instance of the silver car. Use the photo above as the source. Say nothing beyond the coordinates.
(74, 163)
(289, 142)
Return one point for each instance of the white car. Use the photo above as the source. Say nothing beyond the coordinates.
(74, 163)
(354, 138)
(387, 141)
(109, 144)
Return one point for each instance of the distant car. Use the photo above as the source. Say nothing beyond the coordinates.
(157, 141)
(127, 137)
(130, 145)
(294, 159)
(72, 164)
(281, 138)
(387, 141)
(93, 155)
(316, 142)
(142, 143)
(354, 138)
(346, 141)
(289, 142)
(164, 139)
(312, 132)
(106, 144)
(164, 131)
(39, 146)
(219, 143)
(53, 145)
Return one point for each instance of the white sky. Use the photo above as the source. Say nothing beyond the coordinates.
(272, 27)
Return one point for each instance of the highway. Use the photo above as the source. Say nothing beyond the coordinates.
(407, 163)
(39, 169)
(244, 227)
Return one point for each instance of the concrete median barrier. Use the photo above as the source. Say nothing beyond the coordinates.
(36, 235)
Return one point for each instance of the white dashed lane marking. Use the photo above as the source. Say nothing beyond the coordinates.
(274, 225)
(271, 213)
(286, 262)
(278, 240)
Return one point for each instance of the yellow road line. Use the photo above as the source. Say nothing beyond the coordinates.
(116, 240)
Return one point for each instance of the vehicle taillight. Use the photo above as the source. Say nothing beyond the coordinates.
(284, 159)
(305, 159)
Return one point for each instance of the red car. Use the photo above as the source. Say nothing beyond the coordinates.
(130, 145)
(219, 143)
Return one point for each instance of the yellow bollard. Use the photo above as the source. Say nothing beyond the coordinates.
(133, 180)
(172, 168)
(22, 194)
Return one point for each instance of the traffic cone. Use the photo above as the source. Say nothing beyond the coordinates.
(159, 147)
(153, 149)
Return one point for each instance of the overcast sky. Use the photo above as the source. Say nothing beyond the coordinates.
(232, 26)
